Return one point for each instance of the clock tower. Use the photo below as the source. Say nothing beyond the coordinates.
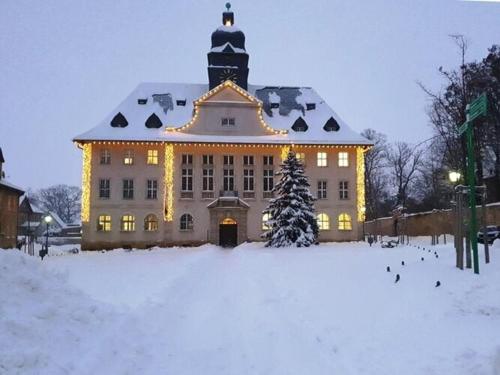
(227, 58)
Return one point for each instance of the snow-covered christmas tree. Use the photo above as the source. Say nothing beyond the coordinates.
(291, 214)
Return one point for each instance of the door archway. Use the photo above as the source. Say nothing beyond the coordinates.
(228, 232)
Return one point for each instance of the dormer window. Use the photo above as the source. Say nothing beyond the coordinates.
(228, 121)
(119, 121)
(153, 122)
(310, 106)
(300, 125)
(181, 103)
(275, 105)
(331, 125)
(142, 101)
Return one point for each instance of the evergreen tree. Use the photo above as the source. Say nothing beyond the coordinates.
(291, 214)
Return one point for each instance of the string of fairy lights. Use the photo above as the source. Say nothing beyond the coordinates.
(360, 184)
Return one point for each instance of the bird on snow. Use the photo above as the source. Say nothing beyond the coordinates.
(437, 256)
(397, 278)
(422, 259)
(403, 263)
(438, 283)
(388, 269)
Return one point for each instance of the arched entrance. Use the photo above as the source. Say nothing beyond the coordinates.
(228, 232)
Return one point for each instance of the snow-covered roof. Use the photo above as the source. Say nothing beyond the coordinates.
(60, 222)
(227, 47)
(6, 184)
(173, 103)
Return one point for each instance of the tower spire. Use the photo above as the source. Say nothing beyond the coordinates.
(228, 16)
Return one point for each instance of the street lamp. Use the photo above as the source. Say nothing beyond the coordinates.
(454, 176)
(48, 220)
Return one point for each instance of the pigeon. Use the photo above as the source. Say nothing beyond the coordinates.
(397, 278)
(403, 263)
(437, 256)
(388, 269)
(438, 283)
(422, 259)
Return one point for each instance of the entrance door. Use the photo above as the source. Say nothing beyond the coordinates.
(228, 233)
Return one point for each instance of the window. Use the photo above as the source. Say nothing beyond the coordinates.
(128, 189)
(104, 188)
(187, 159)
(343, 159)
(345, 222)
(248, 160)
(228, 121)
(151, 223)
(323, 221)
(301, 157)
(186, 222)
(228, 159)
(343, 190)
(248, 180)
(128, 157)
(321, 189)
(265, 218)
(268, 160)
(187, 179)
(208, 180)
(105, 156)
(104, 223)
(228, 179)
(322, 160)
(128, 223)
(310, 106)
(268, 180)
(208, 159)
(152, 157)
(151, 189)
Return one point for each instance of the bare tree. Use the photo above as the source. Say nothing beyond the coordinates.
(64, 200)
(404, 163)
(375, 177)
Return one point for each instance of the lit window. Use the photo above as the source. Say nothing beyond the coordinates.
(343, 190)
(128, 189)
(323, 222)
(343, 159)
(321, 189)
(345, 222)
(128, 158)
(301, 157)
(151, 223)
(128, 223)
(153, 157)
(265, 218)
(104, 188)
(104, 223)
(105, 157)
(322, 160)
(186, 222)
(152, 189)
(187, 159)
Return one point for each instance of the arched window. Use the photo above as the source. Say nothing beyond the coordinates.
(186, 222)
(104, 223)
(265, 218)
(128, 223)
(151, 223)
(345, 222)
(323, 221)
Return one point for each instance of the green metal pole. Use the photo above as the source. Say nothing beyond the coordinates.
(472, 196)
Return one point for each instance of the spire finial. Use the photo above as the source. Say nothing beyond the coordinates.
(228, 6)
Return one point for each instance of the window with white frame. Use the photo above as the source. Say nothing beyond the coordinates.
(265, 218)
(228, 121)
(187, 179)
(151, 223)
(323, 221)
(268, 160)
(322, 189)
(345, 222)
(186, 222)
(208, 159)
(228, 179)
(128, 188)
(187, 159)
(104, 188)
(268, 180)
(248, 160)
(343, 159)
(105, 156)
(128, 157)
(228, 159)
(208, 179)
(152, 157)
(343, 190)
(152, 189)
(104, 223)
(128, 223)
(248, 180)
(322, 159)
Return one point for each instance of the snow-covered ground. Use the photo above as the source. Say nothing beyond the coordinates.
(331, 309)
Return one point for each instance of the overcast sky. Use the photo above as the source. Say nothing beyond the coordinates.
(64, 65)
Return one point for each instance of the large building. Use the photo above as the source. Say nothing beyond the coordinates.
(9, 204)
(194, 163)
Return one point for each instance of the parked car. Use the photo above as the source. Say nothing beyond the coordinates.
(492, 233)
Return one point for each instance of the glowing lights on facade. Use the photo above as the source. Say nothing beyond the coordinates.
(284, 152)
(86, 181)
(360, 183)
(169, 182)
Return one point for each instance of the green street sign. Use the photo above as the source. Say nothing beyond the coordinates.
(463, 128)
(478, 107)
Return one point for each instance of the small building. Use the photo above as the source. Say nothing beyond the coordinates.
(9, 204)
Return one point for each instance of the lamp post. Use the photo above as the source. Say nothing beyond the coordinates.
(454, 176)
(43, 252)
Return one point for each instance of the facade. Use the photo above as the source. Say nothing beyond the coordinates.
(9, 203)
(195, 163)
